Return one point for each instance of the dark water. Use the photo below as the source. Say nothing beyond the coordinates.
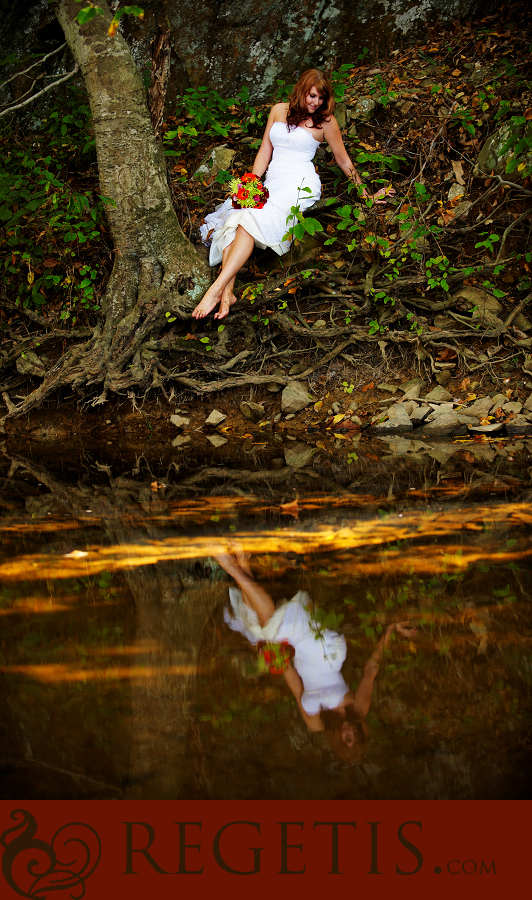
(120, 679)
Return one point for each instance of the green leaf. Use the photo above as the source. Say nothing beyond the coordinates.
(88, 13)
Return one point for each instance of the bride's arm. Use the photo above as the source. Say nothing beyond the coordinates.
(333, 136)
(264, 154)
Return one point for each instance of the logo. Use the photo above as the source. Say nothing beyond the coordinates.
(34, 868)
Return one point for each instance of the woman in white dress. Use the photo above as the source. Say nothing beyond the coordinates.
(293, 134)
(314, 676)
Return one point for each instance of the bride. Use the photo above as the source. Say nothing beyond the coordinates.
(293, 134)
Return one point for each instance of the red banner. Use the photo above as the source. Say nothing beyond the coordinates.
(102, 850)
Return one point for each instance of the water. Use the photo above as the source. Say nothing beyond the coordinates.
(120, 678)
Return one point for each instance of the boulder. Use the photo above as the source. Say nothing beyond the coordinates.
(215, 418)
(254, 412)
(492, 158)
(295, 397)
(219, 158)
(446, 422)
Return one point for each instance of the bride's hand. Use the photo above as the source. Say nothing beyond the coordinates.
(380, 197)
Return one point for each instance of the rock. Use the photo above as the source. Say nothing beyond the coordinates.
(522, 322)
(420, 414)
(413, 392)
(399, 414)
(353, 131)
(412, 383)
(443, 377)
(297, 369)
(273, 386)
(216, 439)
(354, 405)
(387, 387)
(438, 393)
(254, 412)
(299, 455)
(295, 397)
(478, 408)
(179, 421)
(364, 109)
(340, 114)
(356, 420)
(180, 440)
(28, 363)
(491, 157)
(320, 323)
(216, 418)
(512, 407)
(219, 158)
(519, 425)
(398, 445)
(278, 463)
(336, 407)
(528, 402)
(455, 191)
(486, 429)
(461, 209)
(498, 402)
(477, 297)
(446, 421)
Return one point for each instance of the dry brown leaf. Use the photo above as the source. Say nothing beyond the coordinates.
(458, 170)
(456, 73)
(290, 509)
(369, 387)
(318, 405)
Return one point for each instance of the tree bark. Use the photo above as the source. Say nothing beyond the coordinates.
(156, 269)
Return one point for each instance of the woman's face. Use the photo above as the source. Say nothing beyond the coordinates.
(313, 100)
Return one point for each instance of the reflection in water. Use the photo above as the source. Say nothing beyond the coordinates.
(314, 676)
(125, 672)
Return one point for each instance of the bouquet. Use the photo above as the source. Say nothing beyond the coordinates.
(248, 192)
(276, 656)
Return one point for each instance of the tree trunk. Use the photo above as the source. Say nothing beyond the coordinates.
(156, 270)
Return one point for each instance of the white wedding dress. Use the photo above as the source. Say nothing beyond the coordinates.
(290, 171)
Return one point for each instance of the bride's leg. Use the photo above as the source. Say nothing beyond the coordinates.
(239, 251)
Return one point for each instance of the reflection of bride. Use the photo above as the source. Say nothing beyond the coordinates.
(314, 675)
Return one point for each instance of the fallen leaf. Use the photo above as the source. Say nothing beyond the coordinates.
(292, 290)
(318, 405)
(50, 263)
(290, 509)
(369, 387)
(456, 73)
(458, 170)
(367, 147)
(371, 456)
(338, 418)
(447, 354)
(154, 486)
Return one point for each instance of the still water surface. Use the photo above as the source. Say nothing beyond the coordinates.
(120, 677)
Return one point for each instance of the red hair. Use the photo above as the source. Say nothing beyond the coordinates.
(298, 111)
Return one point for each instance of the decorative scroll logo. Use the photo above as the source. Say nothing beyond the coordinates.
(34, 868)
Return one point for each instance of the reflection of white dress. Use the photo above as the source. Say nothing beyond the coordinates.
(290, 171)
(318, 661)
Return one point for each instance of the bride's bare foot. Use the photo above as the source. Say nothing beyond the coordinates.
(210, 300)
(227, 301)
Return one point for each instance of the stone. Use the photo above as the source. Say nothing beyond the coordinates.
(390, 426)
(413, 392)
(519, 425)
(475, 297)
(364, 109)
(492, 158)
(340, 114)
(498, 402)
(438, 393)
(512, 407)
(356, 420)
(336, 407)
(522, 322)
(254, 412)
(295, 397)
(411, 383)
(397, 445)
(216, 440)
(217, 160)
(387, 387)
(528, 402)
(181, 440)
(273, 386)
(455, 191)
(399, 415)
(446, 422)
(215, 418)
(486, 429)
(299, 455)
(461, 209)
(478, 408)
(420, 414)
(443, 377)
(179, 421)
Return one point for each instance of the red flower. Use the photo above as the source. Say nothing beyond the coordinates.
(249, 176)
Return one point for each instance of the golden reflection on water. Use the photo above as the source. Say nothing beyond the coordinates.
(413, 524)
(58, 672)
